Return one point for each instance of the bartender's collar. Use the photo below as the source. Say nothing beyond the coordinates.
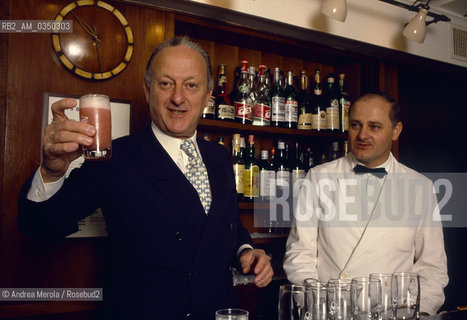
(169, 143)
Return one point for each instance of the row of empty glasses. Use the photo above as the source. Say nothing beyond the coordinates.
(379, 296)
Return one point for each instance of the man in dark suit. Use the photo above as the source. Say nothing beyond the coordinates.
(173, 243)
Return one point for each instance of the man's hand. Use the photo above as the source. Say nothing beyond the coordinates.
(62, 140)
(259, 262)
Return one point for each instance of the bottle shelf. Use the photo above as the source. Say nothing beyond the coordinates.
(230, 126)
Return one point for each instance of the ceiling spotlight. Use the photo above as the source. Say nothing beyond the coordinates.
(336, 9)
(415, 29)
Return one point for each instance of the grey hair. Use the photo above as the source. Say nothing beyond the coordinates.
(183, 41)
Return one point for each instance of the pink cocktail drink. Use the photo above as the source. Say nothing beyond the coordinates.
(95, 110)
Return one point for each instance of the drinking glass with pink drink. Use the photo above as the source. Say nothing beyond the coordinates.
(95, 110)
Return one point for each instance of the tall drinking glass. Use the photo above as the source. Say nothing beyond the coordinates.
(365, 295)
(294, 302)
(387, 281)
(338, 299)
(95, 110)
(406, 293)
(319, 307)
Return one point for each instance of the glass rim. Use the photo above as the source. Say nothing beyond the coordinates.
(231, 310)
(406, 274)
(97, 95)
(293, 287)
(382, 274)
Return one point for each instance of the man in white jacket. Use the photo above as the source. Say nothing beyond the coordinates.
(367, 213)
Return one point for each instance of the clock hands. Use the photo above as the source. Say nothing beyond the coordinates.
(97, 41)
(87, 28)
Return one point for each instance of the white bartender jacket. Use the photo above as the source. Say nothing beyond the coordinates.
(347, 225)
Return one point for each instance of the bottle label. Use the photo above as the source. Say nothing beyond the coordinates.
(345, 110)
(267, 184)
(319, 120)
(251, 182)
(305, 121)
(239, 171)
(291, 111)
(242, 110)
(278, 109)
(332, 113)
(211, 107)
(226, 112)
(261, 114)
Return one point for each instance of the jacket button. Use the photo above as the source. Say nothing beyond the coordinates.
(192, 274)
(189, 316)
(179, 236)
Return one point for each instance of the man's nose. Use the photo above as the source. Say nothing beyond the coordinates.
(363, 133)
(178, 95)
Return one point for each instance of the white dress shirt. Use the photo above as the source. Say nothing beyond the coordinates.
(341, 232)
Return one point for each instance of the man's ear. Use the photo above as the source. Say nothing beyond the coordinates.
(396, 131)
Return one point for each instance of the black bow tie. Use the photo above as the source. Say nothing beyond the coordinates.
(378, 172)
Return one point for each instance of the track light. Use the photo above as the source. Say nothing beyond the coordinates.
(336, 9)
(415, 29)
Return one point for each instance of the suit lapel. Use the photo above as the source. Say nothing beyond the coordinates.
(162, 172)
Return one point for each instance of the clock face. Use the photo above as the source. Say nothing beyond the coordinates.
(101, 44)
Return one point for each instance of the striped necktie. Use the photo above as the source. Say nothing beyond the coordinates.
(197, 174)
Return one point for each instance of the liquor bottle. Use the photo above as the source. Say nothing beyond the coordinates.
(304, 107)
(238, 166)
(298, 170)
(220, 140)
(206, 136)
(309, 160)
(209, 111)
(234, 93)
(267, 177)
(344, 101)
(334, 154)
(262, 106)
(253, 83)
(243, 100)
(225, 111)
(291, 102)
(251, 178)
(345, 148)
(319, 120)
(332, 105)
(282, 170)
(277, 101)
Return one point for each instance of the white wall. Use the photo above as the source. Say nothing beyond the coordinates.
(369, 21)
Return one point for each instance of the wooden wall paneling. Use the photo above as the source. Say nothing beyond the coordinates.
(32, 70)
(4, 39)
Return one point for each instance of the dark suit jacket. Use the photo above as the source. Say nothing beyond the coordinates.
(170, 259)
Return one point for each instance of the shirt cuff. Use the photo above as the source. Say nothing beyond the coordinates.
(40, 191)
(243, 247)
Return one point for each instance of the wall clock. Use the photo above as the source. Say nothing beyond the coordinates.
(101, 44)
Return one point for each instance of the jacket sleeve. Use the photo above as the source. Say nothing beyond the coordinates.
(58, 216)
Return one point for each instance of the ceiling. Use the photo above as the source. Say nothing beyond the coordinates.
(457, 7)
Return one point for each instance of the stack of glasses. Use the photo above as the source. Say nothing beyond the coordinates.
(379, 296)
